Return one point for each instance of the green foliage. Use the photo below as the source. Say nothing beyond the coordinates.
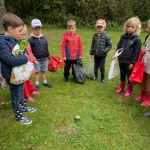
(85, 12)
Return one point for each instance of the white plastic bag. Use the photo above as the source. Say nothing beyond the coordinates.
(90, 69)
(21, 73)
(113, 71)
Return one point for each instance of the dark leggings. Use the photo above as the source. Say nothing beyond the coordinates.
(124, 71)
(99, 63)
(69, 64)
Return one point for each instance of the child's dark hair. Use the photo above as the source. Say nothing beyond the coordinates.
(12, 20)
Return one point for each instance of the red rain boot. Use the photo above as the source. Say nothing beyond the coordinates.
(146, 101)
(121, 88)
(30, 99)
(35, 93)
(141, 97)
(129, 91)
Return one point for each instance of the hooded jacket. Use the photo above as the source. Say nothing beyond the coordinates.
(132, 46)
(101, 45)
(39, 47)
(71, 46)
(8, 60)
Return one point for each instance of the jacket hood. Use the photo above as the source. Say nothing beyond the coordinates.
(41, 35)
(7, 39)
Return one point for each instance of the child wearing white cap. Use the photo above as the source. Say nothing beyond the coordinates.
(40, 51)
(101, 45)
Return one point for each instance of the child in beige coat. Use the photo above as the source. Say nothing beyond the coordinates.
(145, 85)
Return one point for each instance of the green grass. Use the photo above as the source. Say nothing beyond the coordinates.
(108, 121)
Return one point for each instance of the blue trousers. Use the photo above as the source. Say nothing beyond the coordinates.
(16, 95)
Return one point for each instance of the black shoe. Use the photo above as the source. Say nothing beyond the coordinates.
(65, 79)
(147, 114)
(36, 86)
(47, 84)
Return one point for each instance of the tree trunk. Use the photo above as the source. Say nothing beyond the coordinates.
(2, 12)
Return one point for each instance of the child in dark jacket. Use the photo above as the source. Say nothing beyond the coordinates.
(13, 26)
(40, 51)
(131, 44)
(71, 48)
(101, 45)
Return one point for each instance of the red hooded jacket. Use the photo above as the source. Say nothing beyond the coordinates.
(71, 46)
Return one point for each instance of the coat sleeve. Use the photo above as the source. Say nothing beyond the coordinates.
(138, 45)
(108, 44)
(92, 46)
(31, 56)
(80, 47)
(7, 56)
(63, 46)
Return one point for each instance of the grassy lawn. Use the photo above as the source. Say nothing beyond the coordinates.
(108, 121)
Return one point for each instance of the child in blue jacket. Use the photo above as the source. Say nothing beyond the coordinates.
(13, 26)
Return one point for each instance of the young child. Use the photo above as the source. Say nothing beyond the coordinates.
(29, 89)
(71, 48)
(131, 44)
(145, 85)
(101, 45)
(13, 26)
(40, 51)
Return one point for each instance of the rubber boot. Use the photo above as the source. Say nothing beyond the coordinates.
(27, 109)
(147, 114)
(146, 101)
(30, 99)
(95, 74)
(103, 78)
(121, 88)
(129, 90)
(141, 97)
(20, 117)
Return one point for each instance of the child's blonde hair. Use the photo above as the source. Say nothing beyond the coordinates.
(133, 20)
(148, 23)
(71, 23)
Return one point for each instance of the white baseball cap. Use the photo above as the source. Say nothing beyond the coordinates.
(36, 23)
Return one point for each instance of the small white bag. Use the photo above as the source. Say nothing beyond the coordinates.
(113, 71)
(21, 73)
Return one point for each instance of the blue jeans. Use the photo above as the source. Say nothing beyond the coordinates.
(124, 71)
(16, 95)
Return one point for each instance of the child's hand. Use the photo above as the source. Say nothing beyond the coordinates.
(143, 50)
(80, 57)
(36, 62)
(131, 66)
(64, 58)
(113, 58)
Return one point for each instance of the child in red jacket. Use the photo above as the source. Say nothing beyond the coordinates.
(29, 88)
(71, 48)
